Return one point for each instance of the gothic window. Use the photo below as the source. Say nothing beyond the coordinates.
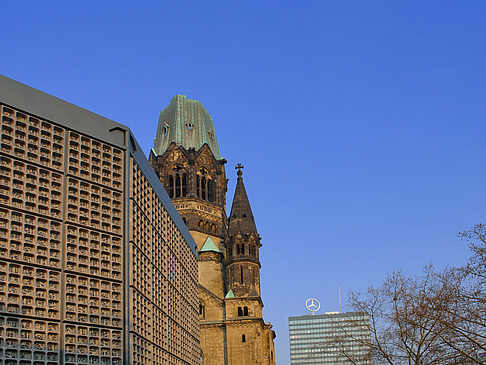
(211, 190)
(177, 182)
(205, 186)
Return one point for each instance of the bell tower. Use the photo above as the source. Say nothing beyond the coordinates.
(187, 160)
(243, 245)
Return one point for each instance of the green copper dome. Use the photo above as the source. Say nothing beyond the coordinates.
(186, 123)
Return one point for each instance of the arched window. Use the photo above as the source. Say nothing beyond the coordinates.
(205, 186)
(240, 311)
(211, 190)
(245, 311)
(177, 182)
(243, 338)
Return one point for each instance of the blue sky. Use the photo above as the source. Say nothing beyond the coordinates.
(361, 123)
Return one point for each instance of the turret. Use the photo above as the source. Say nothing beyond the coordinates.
(243, 244)
(210, 267)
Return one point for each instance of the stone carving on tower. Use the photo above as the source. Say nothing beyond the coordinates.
(187, 160)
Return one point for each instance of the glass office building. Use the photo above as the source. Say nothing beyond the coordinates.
(332, 338)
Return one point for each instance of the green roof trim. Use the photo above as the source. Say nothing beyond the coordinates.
(230, 294)
(209, 246)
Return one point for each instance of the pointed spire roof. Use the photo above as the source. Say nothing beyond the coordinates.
(209, 246)
(241, 218)
(187, 123)
(230, 294)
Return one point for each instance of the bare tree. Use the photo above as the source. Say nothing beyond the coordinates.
(434, 318)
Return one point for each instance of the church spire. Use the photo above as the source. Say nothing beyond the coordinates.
(241, 218)
(187, 123)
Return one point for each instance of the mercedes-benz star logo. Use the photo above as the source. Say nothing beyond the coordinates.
(312, 304)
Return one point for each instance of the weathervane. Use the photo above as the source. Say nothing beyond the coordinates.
(312, 305)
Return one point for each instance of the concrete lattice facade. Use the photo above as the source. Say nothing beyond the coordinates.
(186, 158)
(96, 266)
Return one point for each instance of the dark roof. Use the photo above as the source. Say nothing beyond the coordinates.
(241, 218)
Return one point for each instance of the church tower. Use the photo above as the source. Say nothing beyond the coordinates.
(187, 160)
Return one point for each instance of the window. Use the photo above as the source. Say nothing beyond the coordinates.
(177, 182)
(243, 338)
(201, 310)
(242, 311)
(205, 186)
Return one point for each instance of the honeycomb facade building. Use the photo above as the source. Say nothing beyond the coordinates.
(96, 265)
(187, 159)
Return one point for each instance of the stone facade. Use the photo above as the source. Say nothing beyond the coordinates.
(186, 159)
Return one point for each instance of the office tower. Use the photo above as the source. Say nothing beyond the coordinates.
(96, 265)
(332, 338)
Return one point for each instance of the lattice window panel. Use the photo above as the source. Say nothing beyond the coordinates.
(29, 290)
(95, 161)
(31, 139)
(27, 187)
(142, 272)
(94, 301)
(93, 206)
(95, 253)
(92, 345)
(142, 351)
(30, 238)
(28, 341)
(140, 230)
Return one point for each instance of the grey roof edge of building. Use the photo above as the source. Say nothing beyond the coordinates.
(58, 111)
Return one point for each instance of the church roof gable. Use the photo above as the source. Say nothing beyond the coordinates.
(209, 246)
(230, 294)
